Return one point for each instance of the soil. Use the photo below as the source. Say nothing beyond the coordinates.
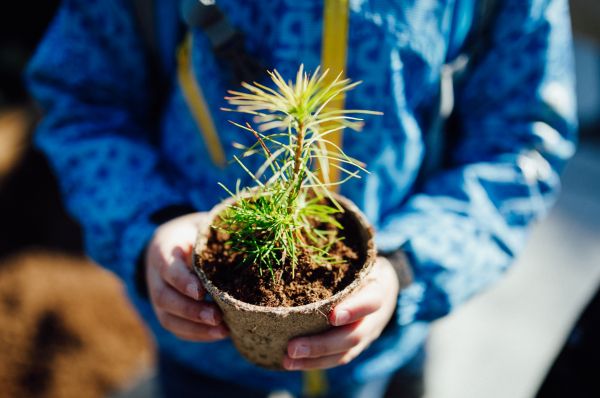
(67, 329)
(311, 282)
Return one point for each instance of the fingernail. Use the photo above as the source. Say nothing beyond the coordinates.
(178, 252)
(290, 364)
(208, 315)
(301, 351)
(216, 332)
(192, 291)
(342, 317)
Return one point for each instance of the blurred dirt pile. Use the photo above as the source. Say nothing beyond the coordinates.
(66, 328)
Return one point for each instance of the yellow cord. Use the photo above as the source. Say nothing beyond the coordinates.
(333, 57)
(315, 383)
(192, 91)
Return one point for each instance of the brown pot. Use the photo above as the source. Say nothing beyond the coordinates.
(261, 333)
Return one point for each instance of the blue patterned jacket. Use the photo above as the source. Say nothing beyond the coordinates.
(461, 229)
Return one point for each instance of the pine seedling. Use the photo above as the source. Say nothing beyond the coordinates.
(278, 218)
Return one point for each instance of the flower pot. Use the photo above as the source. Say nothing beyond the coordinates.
(261, 333)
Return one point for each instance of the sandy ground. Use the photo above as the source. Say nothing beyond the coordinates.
(66, 330)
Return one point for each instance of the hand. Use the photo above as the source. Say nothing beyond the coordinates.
(175, 292)
(357, 321)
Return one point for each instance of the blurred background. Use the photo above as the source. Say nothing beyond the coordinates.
(67, 330)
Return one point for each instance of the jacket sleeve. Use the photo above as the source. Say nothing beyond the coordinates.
(89, 75)
(517, 113)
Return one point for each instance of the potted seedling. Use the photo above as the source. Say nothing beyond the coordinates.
(277, 256)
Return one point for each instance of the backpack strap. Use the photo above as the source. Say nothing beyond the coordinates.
(144, 11)
(227, 42)
(196, 102)
(334, 49)
(145, 14)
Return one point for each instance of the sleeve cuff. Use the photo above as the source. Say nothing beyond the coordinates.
(401, 266)
(135, 241)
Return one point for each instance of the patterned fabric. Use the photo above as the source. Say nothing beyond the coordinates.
(461, 230)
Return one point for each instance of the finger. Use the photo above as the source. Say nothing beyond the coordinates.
(184, 252)
(191, 331)
(169, 300)
(177, 274)
(358, 305)
(334, 341)
(327, 362)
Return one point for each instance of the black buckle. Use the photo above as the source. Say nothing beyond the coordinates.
(227, 42)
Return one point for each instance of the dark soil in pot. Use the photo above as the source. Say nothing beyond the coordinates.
(310, 282)
(263, 313)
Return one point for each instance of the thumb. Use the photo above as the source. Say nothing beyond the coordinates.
(184, 253)
(358, 305)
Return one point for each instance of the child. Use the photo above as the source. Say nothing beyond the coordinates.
(139, 184)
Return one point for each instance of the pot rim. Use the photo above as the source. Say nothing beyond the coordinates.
(243, 306)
